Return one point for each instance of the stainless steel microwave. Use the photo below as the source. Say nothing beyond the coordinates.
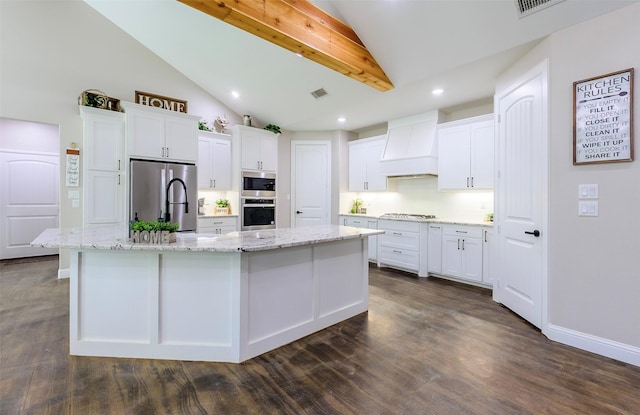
(258, 184)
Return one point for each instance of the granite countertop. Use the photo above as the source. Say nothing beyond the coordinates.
(116, 238)
(450, 221)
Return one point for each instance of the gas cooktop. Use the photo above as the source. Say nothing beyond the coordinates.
(406, 216)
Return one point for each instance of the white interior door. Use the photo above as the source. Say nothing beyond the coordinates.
(521, 193)
(29, 201)
(311, 183)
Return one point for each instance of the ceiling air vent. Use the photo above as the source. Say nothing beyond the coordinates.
(527, 7)
(319, 93)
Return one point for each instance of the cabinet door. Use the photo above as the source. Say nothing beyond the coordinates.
(487, 260)
(104, 138)
(250, 151)
(471, 268)
(221, 164)
(104, 202)
(205, 169)
(434, 249)
(453, 157)
(375, 180)
(482, 155)
(145, 132)
(451, 255)
(269, 152)
(373, 241)
(357, 167)
(181, 142)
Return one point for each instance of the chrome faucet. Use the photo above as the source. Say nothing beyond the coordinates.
(167, 215)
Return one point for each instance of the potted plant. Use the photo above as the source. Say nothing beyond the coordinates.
(273, 128)
(153, 232)
(222, 207)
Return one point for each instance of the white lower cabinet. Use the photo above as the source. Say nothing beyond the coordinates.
(462, 252)
(487, 252)
(434, 248)
(399, 246)
(218, 225)
(367, 223)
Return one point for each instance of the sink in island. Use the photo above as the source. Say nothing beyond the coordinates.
(223, 298)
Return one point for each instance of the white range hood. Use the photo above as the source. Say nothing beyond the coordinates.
(412, 146)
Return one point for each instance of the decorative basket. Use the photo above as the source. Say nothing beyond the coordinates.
(93, 98)
(221, 210)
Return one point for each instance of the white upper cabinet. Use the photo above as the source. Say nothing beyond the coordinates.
(104, 168)
(214, 161)
(364, 165)
(465, 154)
(161, 134)
(258, 148)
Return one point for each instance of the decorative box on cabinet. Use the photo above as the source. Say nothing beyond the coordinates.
(364, 165)
(462, 252)
(214, 161)
(465, 154)
(218, 225)
(104, 181)
(161, 134)
(258, 148)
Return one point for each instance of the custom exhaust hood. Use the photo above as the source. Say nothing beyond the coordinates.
(412, 146)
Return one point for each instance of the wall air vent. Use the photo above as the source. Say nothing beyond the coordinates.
(527, 7)
(319, 93)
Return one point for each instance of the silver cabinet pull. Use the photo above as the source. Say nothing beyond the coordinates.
(118, 180)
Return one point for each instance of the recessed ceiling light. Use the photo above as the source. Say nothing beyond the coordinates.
(437, 91)
(235, 94)
(342, 119)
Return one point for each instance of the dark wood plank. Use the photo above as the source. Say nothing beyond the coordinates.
(425, 346)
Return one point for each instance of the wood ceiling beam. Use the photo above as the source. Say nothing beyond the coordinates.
(303, 28)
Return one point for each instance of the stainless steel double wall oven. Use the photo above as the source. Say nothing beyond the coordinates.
(258, 201)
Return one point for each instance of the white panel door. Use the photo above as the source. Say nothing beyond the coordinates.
(520, 195)
(29, 201)
(311, 183)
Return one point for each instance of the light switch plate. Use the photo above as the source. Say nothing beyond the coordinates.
(74, 194)
(588, 208)
(75, 203)
(587, 191)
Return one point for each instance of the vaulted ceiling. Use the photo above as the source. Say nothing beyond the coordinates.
(457, 45)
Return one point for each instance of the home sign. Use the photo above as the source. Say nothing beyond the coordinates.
(159, 101)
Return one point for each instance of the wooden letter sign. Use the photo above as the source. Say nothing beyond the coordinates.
(158, 101)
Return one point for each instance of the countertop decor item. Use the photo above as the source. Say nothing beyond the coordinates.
(222, 207)
(155, 232)
(93, 98)
(203, 126)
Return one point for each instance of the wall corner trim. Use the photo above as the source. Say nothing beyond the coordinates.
(64, 273)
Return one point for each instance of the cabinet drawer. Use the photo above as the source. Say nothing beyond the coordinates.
(462, 231)
(217, 222)
(398, 225)
(401, 258)
(400, 239)
(357, 223)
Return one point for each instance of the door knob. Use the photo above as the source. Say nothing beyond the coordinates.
(535, 233)
(298, 212)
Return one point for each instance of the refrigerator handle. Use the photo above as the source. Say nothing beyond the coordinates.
(163, 186)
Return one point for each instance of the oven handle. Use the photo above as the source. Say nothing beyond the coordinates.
(258, 205)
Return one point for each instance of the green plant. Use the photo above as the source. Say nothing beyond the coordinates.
(202, 125)
(273, 128)
(222, 203)
(154, 226)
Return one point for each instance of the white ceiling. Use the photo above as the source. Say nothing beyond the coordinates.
(457, 45)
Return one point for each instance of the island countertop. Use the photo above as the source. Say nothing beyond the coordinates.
(117, 238)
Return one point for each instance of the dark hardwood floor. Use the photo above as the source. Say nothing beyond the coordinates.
(425, 347)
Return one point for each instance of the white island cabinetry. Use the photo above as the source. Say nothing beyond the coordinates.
(465, 154)
(104, 169)
(221, 298)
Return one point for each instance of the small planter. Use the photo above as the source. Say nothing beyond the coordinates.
(221, 210)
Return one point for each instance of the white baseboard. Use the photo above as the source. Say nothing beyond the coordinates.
(64, 273)
(605, 347)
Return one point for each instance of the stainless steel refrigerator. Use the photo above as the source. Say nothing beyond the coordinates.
(153, 181)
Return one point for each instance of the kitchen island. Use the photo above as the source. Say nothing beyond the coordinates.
(224, 298)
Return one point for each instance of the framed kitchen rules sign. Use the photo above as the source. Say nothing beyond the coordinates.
(603, 118)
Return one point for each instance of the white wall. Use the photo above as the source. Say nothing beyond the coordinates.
(53, 50)
(31, 136)
(594, 262)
